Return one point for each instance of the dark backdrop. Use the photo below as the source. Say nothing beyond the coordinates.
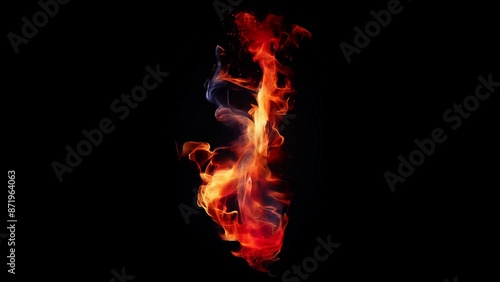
(118, 209)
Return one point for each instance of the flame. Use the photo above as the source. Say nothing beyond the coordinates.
(239, 190)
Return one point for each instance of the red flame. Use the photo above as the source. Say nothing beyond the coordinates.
(239, 191)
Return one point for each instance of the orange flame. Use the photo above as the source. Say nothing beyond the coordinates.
(239, 191)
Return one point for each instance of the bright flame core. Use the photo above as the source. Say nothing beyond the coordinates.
(239, 191)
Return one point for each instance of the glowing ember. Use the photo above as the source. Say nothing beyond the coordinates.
(239, 190)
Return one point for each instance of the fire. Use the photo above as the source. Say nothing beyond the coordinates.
(239, 190)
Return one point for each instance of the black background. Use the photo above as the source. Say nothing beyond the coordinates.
(120, 206)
